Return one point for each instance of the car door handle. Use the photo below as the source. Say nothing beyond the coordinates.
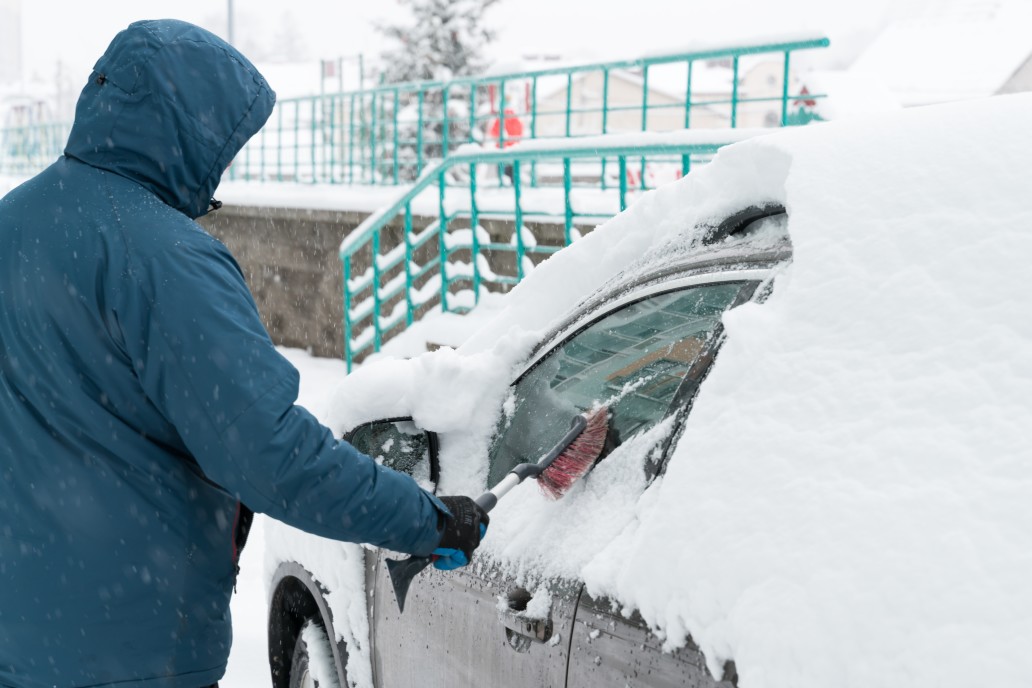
(521, 630)
(536, 630)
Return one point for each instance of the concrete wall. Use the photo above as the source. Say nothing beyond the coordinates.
(290, 260)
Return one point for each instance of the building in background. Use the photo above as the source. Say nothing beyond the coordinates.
(952, 51)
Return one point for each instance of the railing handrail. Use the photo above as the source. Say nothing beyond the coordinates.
(710, 53)
(612, 145)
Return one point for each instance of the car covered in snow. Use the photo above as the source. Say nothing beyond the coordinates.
(815, 354)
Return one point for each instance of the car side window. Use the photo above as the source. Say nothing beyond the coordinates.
(397, 444)
(632, 360)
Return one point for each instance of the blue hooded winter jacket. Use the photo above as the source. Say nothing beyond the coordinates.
(141, 399)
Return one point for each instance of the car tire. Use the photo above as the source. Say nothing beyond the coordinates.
(312, 665)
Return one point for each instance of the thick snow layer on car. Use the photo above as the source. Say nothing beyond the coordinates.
(850, 501)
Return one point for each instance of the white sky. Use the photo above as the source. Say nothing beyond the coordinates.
(76, 33)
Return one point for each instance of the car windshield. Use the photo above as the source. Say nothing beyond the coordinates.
(632, 360)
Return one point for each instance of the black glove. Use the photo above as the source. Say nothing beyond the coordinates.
(461, 533)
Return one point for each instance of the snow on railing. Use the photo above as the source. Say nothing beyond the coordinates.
(401, 273)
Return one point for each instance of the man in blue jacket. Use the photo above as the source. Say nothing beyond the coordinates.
(142, 402)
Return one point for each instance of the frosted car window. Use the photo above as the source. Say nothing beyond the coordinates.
(632, 360)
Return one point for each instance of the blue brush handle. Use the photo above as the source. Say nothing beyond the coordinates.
(403, 571)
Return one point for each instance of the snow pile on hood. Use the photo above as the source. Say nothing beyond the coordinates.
(851, 499)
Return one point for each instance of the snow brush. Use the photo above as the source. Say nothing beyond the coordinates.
(568, 461)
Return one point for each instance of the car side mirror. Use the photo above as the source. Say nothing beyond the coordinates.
(401, 445)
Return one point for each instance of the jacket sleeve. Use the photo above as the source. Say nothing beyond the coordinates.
(207, 363)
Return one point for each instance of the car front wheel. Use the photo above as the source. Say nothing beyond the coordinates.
(312, 665)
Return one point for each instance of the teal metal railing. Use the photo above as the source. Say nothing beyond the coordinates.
(482, 237)
(389, 134)
(26, 150)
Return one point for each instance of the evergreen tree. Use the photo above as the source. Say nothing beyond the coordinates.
(443, 39)
(446, 39)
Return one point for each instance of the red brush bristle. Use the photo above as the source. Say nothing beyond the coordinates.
(578, 458)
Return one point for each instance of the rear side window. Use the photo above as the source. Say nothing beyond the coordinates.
(633, 360)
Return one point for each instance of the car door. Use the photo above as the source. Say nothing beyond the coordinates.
(613, 649)
(453, 631)
(480, 625)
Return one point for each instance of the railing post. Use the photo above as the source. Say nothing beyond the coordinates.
(409, 309)
(374, 163)
(569, 96)
(734, 93)
(472, 109)
(567, 203)
(347, 311)
(313, 129)
(474, 221)
(605, 116)
(533, 128)
(644, 117)
(442, 244)
(419, 133)
(330, 161)
(247, 162)
(444, 121)
(297, 141)
(261, 158)
(501, 114)
(501, 128)
(622, 161)
(279, 144)
(366, 138)
(351, 139)
(517, 192)
(686, 159)
(396, 105)
(377, 334)
(784, 92)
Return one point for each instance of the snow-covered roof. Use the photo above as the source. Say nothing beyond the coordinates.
(952, 50)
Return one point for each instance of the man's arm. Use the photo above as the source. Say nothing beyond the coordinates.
(207, 363)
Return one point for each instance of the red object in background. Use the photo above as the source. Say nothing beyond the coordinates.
(803, 101)
(513, 128)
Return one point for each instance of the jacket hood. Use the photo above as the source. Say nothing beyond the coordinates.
(169, 105)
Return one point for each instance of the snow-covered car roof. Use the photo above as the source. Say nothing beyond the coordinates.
(850, 500)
